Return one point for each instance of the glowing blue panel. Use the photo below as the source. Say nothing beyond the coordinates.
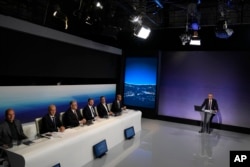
(140, 82)
(30, 102)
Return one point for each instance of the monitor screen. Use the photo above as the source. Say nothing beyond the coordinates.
(100, 149)
(129, 133)
(140, 82)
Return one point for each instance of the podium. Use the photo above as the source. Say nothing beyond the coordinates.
(209, 111)
(206, 115)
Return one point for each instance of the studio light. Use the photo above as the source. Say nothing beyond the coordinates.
(185, 38)
(194, 26)
(222, 30)
(60, 15)
(195, 39)
(136, 19)
(99, 5)
(142, 31)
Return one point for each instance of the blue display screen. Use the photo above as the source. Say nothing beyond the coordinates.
(100, 148)
(129, 133)
(140, 81)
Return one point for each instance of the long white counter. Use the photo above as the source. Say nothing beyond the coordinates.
(74, 147)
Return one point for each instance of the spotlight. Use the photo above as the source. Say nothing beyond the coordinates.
(194, 26)
(222, 31)
(195, 39)
(142, 31)
(136, 19)
(60, 15)
(185, 38)
(99, 5)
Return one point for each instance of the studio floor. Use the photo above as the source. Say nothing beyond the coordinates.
(168, 144)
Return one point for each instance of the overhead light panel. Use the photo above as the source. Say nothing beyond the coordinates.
(142, 31)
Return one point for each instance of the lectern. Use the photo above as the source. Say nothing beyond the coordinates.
(206, 117)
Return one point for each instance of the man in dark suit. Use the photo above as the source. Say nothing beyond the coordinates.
(117, 105)
(89, 111)
(72, 117)
(209, 104)
(103, 109)
(11, 130)
(51, 121)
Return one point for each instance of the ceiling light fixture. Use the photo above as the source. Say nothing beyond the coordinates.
(142, 31)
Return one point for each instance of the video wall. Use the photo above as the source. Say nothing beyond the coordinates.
(30, 102)
(140, 81)
(187, 78)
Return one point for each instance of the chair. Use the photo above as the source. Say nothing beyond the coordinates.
(38, 122)
(109, 106)
(61, 117)
(96, 112)
(81, 111)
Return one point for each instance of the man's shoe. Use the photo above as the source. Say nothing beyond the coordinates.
(201, 131)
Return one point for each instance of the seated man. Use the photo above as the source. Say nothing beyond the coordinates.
(117, 105)
(89, 111)
(103, 109)
(11, 130)
(72, 117)
(51, 122)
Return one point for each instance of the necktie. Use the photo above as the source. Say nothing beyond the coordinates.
(76, 114)
(92, 112)
(119, 106)
(210, 104)
(106, 107)
(54, 121)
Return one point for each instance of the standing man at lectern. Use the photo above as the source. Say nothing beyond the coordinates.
(210, 107)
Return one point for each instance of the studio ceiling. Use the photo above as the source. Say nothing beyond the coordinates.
(114, 17)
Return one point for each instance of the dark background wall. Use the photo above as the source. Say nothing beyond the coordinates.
(25, 55)
(188, 76)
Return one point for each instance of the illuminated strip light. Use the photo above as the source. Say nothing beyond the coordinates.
(196, 42)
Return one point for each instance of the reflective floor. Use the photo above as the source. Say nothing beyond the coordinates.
(167, 144)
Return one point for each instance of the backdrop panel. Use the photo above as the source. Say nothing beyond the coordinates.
(187, 77)
(30, 102)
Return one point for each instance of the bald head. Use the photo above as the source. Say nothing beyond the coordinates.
(52, 109)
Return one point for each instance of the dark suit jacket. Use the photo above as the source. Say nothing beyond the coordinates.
(102, 110)
(206, 104)
(48, 125)
(5, 133)
(70, 120)
(87, 113)
(115, 107)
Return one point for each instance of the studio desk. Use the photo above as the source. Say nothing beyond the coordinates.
(74, 147)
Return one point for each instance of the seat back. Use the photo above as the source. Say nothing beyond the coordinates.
(61, 117)
(109, 106)
(95, 108)
(38, 122)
